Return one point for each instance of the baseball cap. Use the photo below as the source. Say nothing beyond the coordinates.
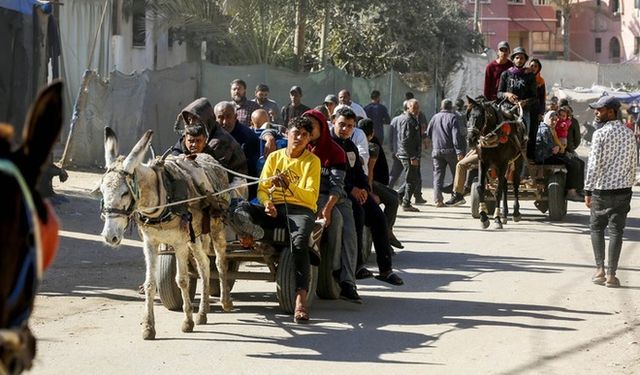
(606, 101)
(295, 88)
(331, 99)
(504, 44)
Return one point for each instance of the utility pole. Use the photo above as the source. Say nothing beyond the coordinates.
(324, 32)
(298, 40)
(476, 16)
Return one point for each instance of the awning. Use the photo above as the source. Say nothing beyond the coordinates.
(22, 6)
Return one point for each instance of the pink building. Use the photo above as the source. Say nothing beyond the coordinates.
(605, 31)
(532, 24)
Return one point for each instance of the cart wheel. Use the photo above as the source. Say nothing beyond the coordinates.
(286, 282)
(168, 290)
(215, 283)
(328, 288)
(556, 197)
(475, 202)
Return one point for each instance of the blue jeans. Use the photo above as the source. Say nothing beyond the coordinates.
(608, 211)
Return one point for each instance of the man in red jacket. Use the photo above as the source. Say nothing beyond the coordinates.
(495, 69)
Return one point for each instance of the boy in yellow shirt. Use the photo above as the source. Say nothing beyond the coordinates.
(288, 194)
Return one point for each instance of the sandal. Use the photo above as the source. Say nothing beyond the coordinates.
(599, 280)
(612, 282)
(363, 273)
(391, 278)
(301, 315)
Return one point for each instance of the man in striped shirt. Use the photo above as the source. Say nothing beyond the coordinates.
(611, 172)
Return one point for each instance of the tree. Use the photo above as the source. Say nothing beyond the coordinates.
(565, 8)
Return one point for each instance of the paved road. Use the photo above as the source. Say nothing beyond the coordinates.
(475, 302)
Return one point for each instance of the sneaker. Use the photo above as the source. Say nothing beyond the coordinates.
(349, 293)
(421, 200)
(456, 200)
(409, 208)
(363, 273)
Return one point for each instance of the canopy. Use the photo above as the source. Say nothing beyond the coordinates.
(581, 94)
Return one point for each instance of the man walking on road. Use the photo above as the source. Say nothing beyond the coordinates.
(611, 173)
(447, 146)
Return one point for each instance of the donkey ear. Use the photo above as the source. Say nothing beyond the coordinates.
(41, 130)
(137, 153)
(471, 101)
(110, 146)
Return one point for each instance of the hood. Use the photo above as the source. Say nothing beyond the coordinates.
(203, 109)
(325, 148)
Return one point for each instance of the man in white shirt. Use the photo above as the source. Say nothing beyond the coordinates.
(344, 97)
(611, 172)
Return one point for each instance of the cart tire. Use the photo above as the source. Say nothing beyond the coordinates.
(328, 287)
(556, 197)
(215, 283)
(168, 290)
(475, 202)
(286, 282)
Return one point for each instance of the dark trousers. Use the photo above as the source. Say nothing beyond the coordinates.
(575, 170)
(395, 172)
(389, 198)
(300, 221)
(440, 163)
(411, 183)
(371, 215)
(608, 211)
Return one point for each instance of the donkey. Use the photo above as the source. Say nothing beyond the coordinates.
(132, 190)
(500, 146)
(28, 227)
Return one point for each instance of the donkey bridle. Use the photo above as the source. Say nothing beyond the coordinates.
(132, 185)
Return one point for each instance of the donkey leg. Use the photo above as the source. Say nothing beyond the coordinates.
(505, 204)
(220, 247)
(497, 223)
(150, 257)
(182, 279)
(484, 218)
(202, 259)
(516, 192)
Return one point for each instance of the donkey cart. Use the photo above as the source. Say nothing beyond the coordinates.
(545, 187)
(274, 253)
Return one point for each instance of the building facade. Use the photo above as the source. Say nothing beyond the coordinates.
(605, 31)
(532, 24)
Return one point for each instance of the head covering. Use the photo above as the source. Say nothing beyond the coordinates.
(504, 44)
(548, 115)
(517, 51)
(325, 148)
(201, 108)
(331, 99)
(297, 89)
(606, 101)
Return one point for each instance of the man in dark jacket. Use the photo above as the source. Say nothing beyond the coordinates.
(223, 147)
(409, 151)
(295, 108)
(447, 146)
(245, 136)
(365, 210)
(518, 86)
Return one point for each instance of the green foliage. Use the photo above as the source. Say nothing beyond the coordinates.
(365, 37)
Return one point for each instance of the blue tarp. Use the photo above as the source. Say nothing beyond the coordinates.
(22, 6)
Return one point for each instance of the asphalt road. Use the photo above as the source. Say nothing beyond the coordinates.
(475, 301)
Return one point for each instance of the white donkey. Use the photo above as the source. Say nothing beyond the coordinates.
(132, 190)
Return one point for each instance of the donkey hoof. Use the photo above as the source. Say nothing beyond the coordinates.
(516, 218)
(227, 306)
(485, 224)
(148, 333)
(201, 319)
(187, 326)
(497, 225)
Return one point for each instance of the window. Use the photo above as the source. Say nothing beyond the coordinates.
(115, 18)
(139, 24)
(615, 7)
(636, 4)
(598, 3)
(541, 2)
(614, 50)
(598, 45)
(636, 47)
(484, 1)
(515, 1)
